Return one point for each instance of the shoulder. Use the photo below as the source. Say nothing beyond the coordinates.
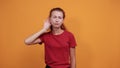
(47, 33)
(69, 33)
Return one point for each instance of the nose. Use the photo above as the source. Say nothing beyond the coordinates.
(56, 20)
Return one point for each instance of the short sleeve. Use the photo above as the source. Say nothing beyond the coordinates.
(72, 41)
(41, 38)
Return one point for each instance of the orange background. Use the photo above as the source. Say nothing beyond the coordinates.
(95, 24)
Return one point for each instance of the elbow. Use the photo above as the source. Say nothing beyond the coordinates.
(27, 42)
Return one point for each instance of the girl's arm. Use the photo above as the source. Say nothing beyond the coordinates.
(33, 39)
(72, 58)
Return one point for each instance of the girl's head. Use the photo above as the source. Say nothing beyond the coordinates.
(56, 17)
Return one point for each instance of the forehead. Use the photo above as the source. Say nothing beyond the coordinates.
(57, 13)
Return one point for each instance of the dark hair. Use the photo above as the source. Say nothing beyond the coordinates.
(61, 10)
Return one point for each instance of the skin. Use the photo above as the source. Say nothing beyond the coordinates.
(56, 20)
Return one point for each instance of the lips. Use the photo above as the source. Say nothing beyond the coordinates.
(56, 24)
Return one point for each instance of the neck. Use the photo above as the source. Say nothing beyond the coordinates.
(57, 31)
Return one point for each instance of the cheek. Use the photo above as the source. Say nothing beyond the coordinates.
(61, 21)
(52, 20)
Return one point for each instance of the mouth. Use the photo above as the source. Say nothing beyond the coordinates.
(56, 24)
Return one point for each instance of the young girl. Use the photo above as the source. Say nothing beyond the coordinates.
(59, 43)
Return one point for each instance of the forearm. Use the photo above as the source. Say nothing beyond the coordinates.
(33, 37)
(73, 63)
(72, 58)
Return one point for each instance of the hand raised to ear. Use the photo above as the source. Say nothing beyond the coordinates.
(46, 24)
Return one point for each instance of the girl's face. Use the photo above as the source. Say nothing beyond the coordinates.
(56, 19)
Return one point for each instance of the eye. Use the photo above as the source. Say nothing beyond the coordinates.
(60, 17)
(54, 17)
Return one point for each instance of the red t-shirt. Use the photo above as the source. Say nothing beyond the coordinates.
(57, 49)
